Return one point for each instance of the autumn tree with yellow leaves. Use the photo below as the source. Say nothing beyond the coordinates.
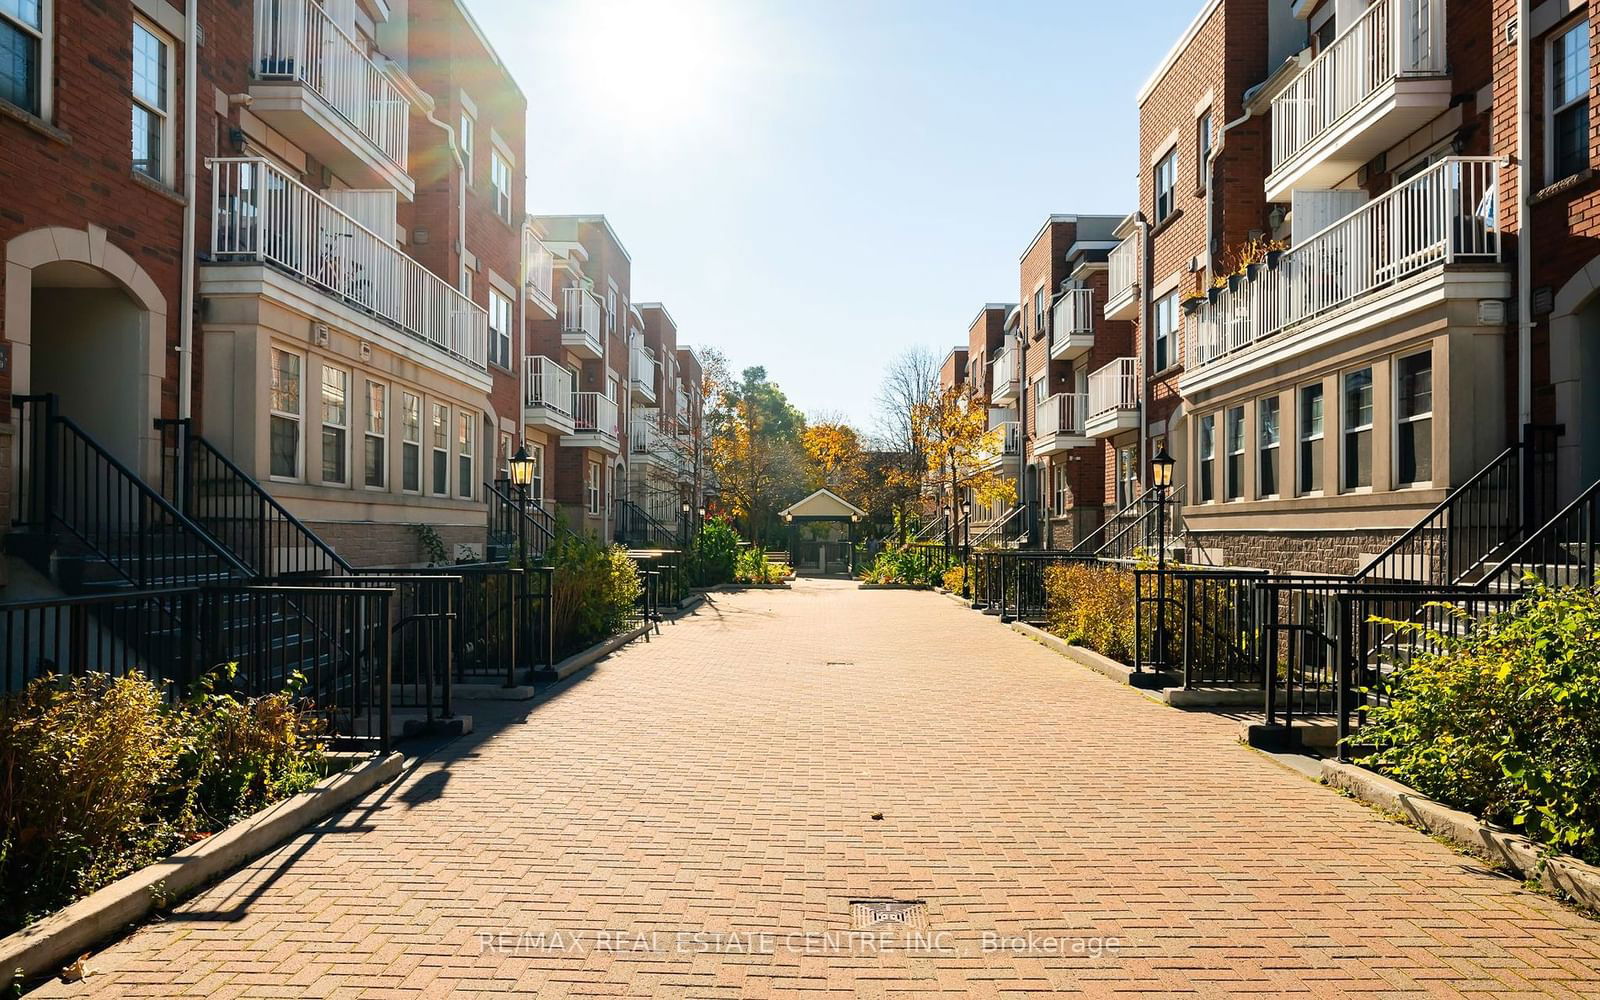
(953, 431)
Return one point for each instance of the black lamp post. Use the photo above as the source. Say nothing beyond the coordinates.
(966, 548)
(1161, 479)
(683, 510)
(520, 468)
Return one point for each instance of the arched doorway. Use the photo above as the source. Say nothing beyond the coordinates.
(1574, 364)
(87, 323)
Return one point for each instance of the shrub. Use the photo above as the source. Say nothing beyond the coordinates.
(595, 588)
(753, 566)
(713, 556)
(100, 776)
(1092, 606)
(955, 578)
(912, 565)
(1504, 720)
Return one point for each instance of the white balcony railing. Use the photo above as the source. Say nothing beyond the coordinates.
(1114, 387)
(540, 278)
(1004, 371)
(547, 384)
(645, 436)
(1446, 213)
(297, 40)
(580, 313)
(681, 406)
(594, 413)
(642, 369)
(1063, 413)
(262, 214)
(1074, 313)
(1123, 266)
(1391, 39)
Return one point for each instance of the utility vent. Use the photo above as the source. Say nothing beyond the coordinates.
(319, 334)
(876, 914)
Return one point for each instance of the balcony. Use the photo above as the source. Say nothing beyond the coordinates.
(1113, 399)
(1384, 77)
(642, 370)
(681, 408)
(1003, 376)
(547, 394)
(580, 323)
(315, 84)
(1392, 255)
(540, 277)
(1072, 329)
(262, 215)
(594, 423)
(1122, 295)
(1009, 441)
(1059, 424)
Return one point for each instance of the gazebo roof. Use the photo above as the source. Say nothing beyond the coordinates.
(823, 504)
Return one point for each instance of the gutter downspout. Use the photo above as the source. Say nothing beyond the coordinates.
(461, 195)
(1147, 348)
(1524, 226)
(191, 14)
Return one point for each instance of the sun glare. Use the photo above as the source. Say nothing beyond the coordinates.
(649, 63)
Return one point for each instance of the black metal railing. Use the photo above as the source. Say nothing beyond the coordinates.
(1011, 582)
(275, 638)
(130, 533)
(1113, 526)
(1561, 553)
(1137, 528)
(519, 526)
(634, 527)
(237, 512)
(422, 636)
(1211, 629)
(1499, 505)
(671, 584)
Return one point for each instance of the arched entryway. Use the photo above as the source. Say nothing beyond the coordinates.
(87, 323)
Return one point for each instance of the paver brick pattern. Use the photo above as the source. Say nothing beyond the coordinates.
(694, 818)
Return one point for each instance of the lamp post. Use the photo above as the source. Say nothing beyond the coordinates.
(1161, 479)
(683, 519)
(520, 468)
(966, 548)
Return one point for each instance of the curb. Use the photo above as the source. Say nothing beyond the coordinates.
(731, 588)
(1119, 672)
(891, 586)
(1557, 872)
(42, 948)
(583, 658)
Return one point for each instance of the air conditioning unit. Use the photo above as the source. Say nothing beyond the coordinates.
(319, 334)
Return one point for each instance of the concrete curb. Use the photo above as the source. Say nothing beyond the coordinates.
(583, 658)
(1119, 672)
(892, 586)
(733, 588)
(46, 946)
(1214, 697)
(1556, 872)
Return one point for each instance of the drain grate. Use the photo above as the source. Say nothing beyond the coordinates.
(872, 914)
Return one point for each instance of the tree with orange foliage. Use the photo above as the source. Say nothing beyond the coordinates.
(954, 433)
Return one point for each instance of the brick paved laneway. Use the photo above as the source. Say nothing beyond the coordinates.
(721, 780)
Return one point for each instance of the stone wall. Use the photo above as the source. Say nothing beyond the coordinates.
(1289, 552)
(373, 543)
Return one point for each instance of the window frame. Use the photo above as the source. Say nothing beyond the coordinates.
(1349, 431)
(380, 435)
(468, 145)
(343, 429)
(591, 489)
(297, 417)
(1203, 137)
(1205, 450)
(438, 483)
(410, 446)
(1233, 453)
(44, 84)
(466, 454)
(1166, 314)
(536, 484)
(498, 165)
(1311, 440)
(1058, 488)
(500, 340)
(1553, 111)
(1401, 419)
(1264, 445)
(166, 156)
(1166, 166)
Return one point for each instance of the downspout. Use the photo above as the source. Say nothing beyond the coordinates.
(461, 194)
(1524, 226)
(1146, 347)
(191, 14)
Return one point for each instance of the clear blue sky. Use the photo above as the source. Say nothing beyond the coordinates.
(817, 185)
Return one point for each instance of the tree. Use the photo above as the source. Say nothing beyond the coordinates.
(835, 459)
(754, 451)
(960, 448)
(911, 380)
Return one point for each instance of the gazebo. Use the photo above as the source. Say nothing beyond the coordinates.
(821, 507)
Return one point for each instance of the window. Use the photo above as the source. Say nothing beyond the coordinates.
(611, 311)
(441, 450)
(284, 430)
(1311, 439)
(410, 443)
(335, 425)
(1058, 475)
(469, 128)
(466, 282)
(1041, 312)
(1041, 392)
(1235, 467)
(1568, 126)
(152, 118)
(466, 486)
(500, 182)
(377, 437)
(22, 49)
(592, 488)
(1166, 177)
(1202, 149)
(499, 329)
(1357, 458)
(1127, 476)
(536, 485)
(1208, 457)
(1268, 439)
(1414, 414)
(1166, 316)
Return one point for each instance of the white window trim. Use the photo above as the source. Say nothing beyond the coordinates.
(1394, 448)
(468, 141)
(465, 450)
(496, 162)
(1262, 448)
(298, 418)
(1229, 454)
(1302, 437)
(381, 436)
(1155, 185)
(436, 488)
(417, 443)
(323, 425)
(1345, 431)
(1207, 493)
(169, 158)
(536, 487)
(1202, 155)
(1550, 109)
(46, 35)
(497, 337)
(591, 488)
(1168, 336)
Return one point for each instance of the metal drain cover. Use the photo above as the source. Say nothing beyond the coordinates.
(869, 914)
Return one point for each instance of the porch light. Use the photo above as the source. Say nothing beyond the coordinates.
(1161, 470)
(685, 508)
(702, 512)
(966, 509)
(520, 466)
(947, 512)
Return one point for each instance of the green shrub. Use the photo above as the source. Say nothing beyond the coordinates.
(754, 567)
(1093, 606)
(595, 588)
(911, 565)
(713, 556)
(1504, 720)
(100, 776)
